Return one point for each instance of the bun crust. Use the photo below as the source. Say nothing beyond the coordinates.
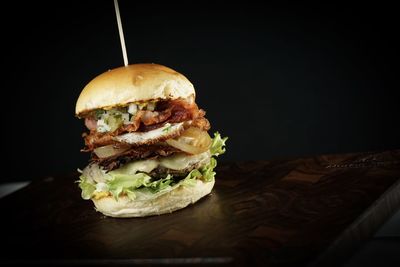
(174, 200)
(133, 83)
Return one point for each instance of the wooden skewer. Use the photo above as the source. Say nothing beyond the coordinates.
(121, 33)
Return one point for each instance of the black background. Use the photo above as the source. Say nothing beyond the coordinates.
(279, 80)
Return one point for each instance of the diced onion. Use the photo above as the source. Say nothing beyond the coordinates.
(132, 109)
(151, 106)
(192, 141)
(108, 151)
(102, 127)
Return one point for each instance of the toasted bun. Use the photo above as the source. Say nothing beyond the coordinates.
(137, 82)
(165, 203)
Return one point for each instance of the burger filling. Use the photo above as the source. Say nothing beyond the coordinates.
(142, 150)
(105, 125)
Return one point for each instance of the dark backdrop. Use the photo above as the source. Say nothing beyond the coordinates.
(279, 80)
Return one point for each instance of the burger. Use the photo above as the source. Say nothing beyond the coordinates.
(150, 152)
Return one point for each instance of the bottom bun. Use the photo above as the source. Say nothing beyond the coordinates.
(171, 201)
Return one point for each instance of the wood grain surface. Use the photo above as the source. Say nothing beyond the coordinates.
(306, 211)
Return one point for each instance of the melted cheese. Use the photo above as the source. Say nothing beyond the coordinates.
(138, 166)
(179, 161)
(182, 161)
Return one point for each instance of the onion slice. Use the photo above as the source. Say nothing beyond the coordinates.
(193, 141)
(109, 151)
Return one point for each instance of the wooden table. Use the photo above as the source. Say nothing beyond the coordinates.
(307, 211)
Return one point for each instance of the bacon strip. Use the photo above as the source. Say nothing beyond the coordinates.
(91, 123)
(95, 139)
(172, 111)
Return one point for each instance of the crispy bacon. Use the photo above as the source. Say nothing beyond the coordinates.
(95, 139)
(172, 111)
(153, 117)
(91, 123)
(201, 123)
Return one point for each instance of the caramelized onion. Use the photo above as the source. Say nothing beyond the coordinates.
(192, 141)
(109, 151)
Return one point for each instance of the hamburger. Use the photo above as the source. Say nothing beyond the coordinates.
(150, 150)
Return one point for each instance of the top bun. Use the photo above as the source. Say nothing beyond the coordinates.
(133, 83)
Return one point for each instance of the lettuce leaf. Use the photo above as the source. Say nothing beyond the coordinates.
(218, 145)
(128, 183)
(161, 184)
(208, 172)
(190, 179)
(86, 187)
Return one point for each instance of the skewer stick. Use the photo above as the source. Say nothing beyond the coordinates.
(121, 33)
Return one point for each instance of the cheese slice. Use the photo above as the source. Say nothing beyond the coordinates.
(179, 161)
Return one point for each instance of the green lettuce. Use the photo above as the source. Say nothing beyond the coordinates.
(190, 179)
(218, 145)
(141, 183)
(208, 172)
(87, 187)
(128, 183)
